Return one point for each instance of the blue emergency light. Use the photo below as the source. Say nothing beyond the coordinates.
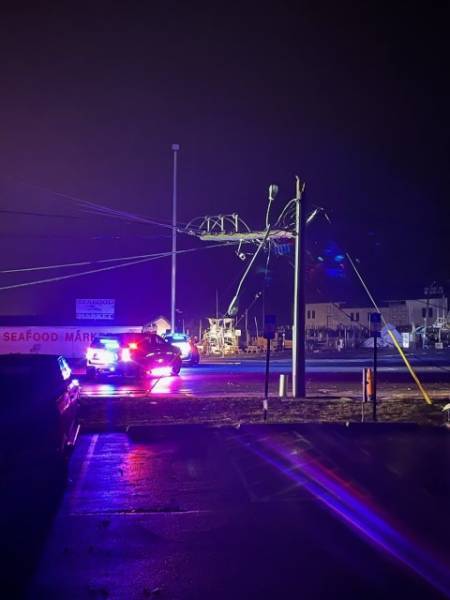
(110, 343)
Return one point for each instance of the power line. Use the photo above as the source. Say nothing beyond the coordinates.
(82, 263)
(109, 268)
(99, 237)
(73, 275)
(39, 214)
(92, 207)
(394, 340)
(249, 266)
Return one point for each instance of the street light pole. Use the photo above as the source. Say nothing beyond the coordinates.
(246, 327)
(175, 148)
(298, 328)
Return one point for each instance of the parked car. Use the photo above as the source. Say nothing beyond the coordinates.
(187, 345)
(39, 402)
(38, 426)
(132, 354)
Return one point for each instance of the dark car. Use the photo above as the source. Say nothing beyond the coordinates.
(39, 403)
(135, 355)
(38, 426)
(188, 347)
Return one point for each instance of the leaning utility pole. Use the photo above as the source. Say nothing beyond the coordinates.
(290, 225)
(298, 327)
(175, 148)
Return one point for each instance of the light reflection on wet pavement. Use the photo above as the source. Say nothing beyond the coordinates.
(229, 379)
(268, 512)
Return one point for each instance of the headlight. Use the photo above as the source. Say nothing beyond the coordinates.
(160, 371)
(184, 348)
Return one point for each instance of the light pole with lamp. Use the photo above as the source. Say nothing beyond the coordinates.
(175, 149)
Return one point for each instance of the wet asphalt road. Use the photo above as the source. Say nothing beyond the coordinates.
(255, 512)
(246, 376)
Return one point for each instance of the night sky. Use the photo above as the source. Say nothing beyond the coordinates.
(354, 100)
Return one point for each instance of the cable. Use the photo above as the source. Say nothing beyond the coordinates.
(392, 336)
(76, 264)
(110, 268)
(38, 214)
(255, 299)
(266, 271)
(96, 208)
(81, 263)
(73, 275)
(283, 213)
(91, 237)
(249, 266)
(92, 208)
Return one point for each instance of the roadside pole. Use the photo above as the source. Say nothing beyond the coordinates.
(266, 386)
(375, 325)
(425, 322)
(375, 361)
(269, 334)
(298, 328)
(246, 327)
(175, 149)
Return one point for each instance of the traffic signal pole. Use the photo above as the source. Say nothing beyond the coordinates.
(298, 327)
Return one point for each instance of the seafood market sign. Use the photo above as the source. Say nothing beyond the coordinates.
(71, 342)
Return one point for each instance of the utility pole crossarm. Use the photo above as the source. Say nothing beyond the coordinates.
(250, 236)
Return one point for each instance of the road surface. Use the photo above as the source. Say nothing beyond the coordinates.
(310, 512)
(238, 376)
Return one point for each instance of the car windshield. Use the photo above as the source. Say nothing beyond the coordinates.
(152, 341)
(106, 342)
(120, 340)
(173, 339)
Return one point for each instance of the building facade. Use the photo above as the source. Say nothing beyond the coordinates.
(339, 324)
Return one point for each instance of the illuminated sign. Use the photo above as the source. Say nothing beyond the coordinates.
(95, 308)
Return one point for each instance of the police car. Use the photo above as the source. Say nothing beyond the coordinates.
(132, 354)
(188, 348)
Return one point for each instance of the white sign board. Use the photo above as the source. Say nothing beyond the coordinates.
(405, 340)
(95, 308)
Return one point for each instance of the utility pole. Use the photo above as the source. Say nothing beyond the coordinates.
(375, 327)
(425, 324)
(223, 228)
(375, 366)
(175, 149)
(298, 328)
(217, 303)
(246, 327)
